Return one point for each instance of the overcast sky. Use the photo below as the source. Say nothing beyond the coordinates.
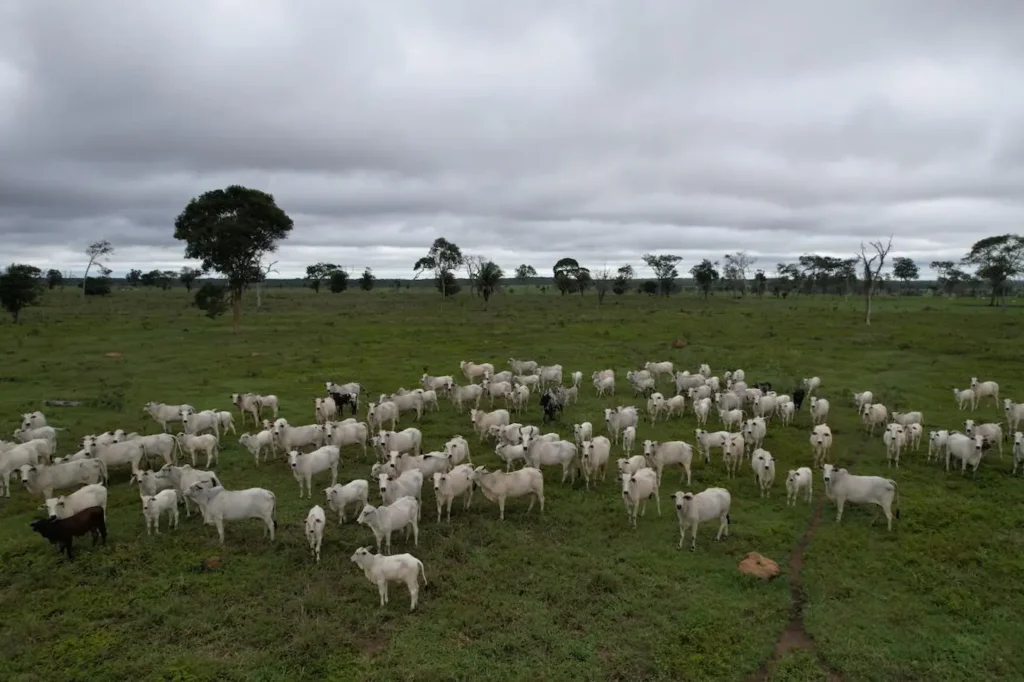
(524, 131)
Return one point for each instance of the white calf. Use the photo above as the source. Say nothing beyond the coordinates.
(985, 389)
(763, 464)
(594, 456)
(340, 496)
(701, 409)
(754, 431)
(637, 488)
(1018, 451)
(965, 398)
(380, 570)
(819, 410)
(618, 419)
(731, 418)
(797, 480)
(457, 449)
(509, 453)
(153, 506)
(1014, 414)
(33, 420)
(863, 398)
(206, 443)
(874, 414)
(582, 432)
(448, 486)
(821, 443)
(628, 439)
(257, 443)
(937, 443)
(402, 513)
(894, 439)
(315, 522)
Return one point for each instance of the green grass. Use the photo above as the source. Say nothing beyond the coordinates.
(573, 594)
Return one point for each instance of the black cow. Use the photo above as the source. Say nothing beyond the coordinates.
(343, 399)
(798, 397)
(764, 387)
(552, 403)
(61, 532)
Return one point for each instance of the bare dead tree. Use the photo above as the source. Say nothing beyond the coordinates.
(264, 270)
(474, 264)
(602, 283)
(872, 268)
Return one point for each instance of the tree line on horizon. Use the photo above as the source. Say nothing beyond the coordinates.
(233, 231)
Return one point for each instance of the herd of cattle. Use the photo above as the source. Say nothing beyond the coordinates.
(400, 467)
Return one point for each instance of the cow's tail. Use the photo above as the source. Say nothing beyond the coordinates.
(103, 470)
(423, 571)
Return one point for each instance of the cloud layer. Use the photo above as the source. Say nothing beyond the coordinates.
(523, 131)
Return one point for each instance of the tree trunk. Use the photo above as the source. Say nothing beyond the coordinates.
(867, 314)
(236, 309)
(85, 277)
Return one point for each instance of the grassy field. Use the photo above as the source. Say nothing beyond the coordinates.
(572, 594)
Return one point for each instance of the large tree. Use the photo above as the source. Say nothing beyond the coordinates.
(474, 263)
(872, 268)
(950, 275)
(444, 258)
(602, 283)
(134, 278)
(316, 274)
(488, 279)
(665, 271)
(158, 278)
(20, 287)
(905, 270)
(705, 274)
(997, 259)
(54, 278)
(338, 281)
(95, 252)
(188, 277)
(735, 270)
(567, 275)
(760, 282)
(229, 230)
(790, 276)
(367, 280)
(623, 277)
(525, 272)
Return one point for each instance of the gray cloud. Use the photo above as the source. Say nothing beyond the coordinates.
(524, 131)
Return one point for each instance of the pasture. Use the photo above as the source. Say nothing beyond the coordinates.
(573, 594)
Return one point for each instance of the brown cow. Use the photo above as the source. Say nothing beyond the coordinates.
(61, 532)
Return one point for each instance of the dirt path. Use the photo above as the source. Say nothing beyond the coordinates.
(795, 636)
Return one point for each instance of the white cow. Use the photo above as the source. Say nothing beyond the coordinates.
(965, 398)
(913, 436)
(985, 389)
(403, 513)
(290, 437)
(511, 434)
(797, 480)
(731, 418)
(618, 419)
(863, 398)
(195, 423)
(550, 375)
(482, 421)
(409, 483)
(116, 454)
(655, 406)
(450, 485)
(166, 414)
(812, 384)
(659, 368)
(701, 409)
(630, 465)
(315, 522)
(406, 440)
(42, 479)
(907, 418)
(691, 510)
(765, 405)
(993, 433)
(732, 452)
(340, 496)
(819, 410)
(842, 487)
(324, 409)
(379, 414)
(873, 414)
(463, 395)
(380, 570)
(457, 449)
(1014, 414)
(522, 366)
(937, 443)
(427, 464)
(257, 443)
(33, 420)
(710, 439)
(637, 488)
(183, 478)
(153, 506)
(821, 443)
(471, 370)
(442, 384)
(786, 412)
(206, 443)
(153, 482)
(407, 401)
(347, 433)
(498, 486)
(968, 449)
(561, 453)
(605, 386)
(61, 507)
(754, 431)
(305, 466)
(582, 432)
(220, 505)
(509, 454)
(763, 464)
(594, 455)
(659, 455)
(628, 439)
(895, 439)
(577, 379)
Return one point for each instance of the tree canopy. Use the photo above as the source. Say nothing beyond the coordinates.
(904, 269)
(997, 260)
(525, 272)
(623, 277)
(338, 281)
(316, 274)
(54, 278)
(569, 275)
(488, 279)
(444, 258)
(705, 274)
(95, 252)
(188, 277)
(21, 286)
(665, 271)
(229, 230)
(366, 280)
